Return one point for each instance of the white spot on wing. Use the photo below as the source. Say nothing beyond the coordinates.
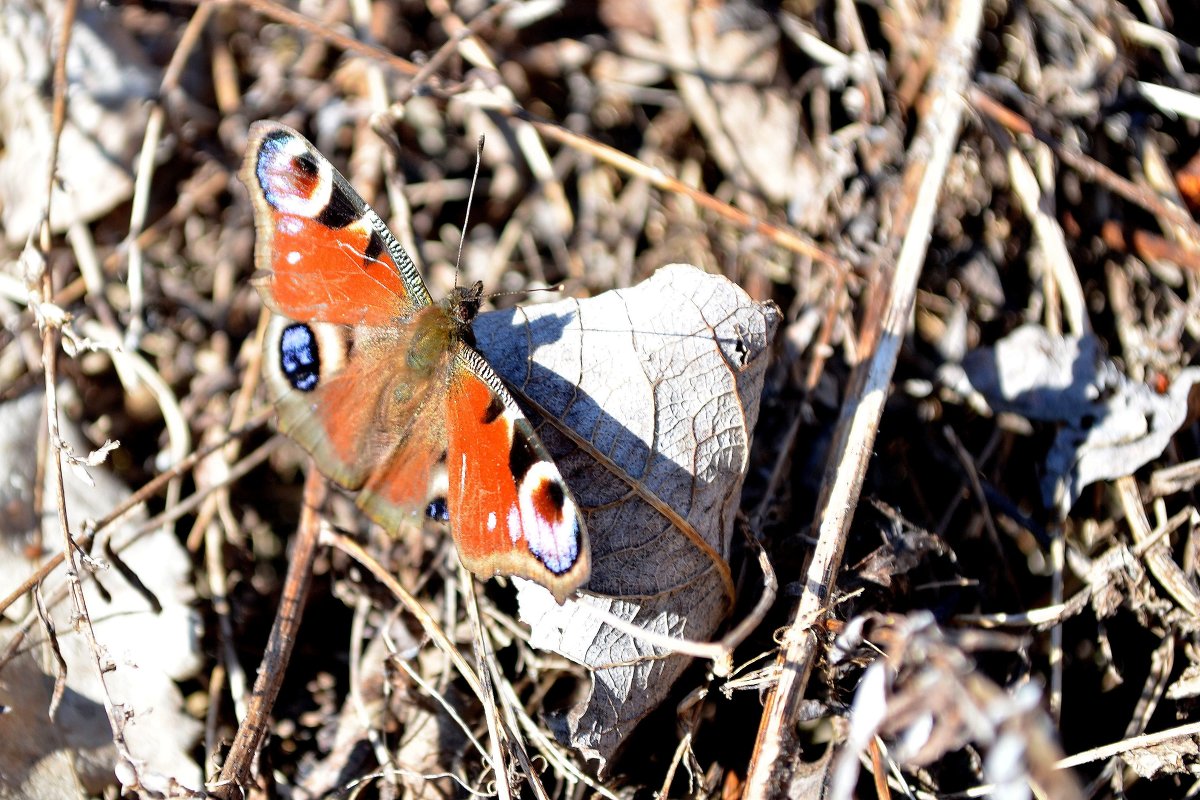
(462, 477)
(514, 524)
(289, 225)
(293, 257)
(491, 523)
(295, 146)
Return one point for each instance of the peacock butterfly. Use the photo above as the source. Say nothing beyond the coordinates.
(384, 387)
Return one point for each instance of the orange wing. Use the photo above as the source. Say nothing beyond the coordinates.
(323, 254)
(346, 296)
(378, 385)
(511, 512)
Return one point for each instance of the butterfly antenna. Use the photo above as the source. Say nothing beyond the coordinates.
(557, 288)
(470, 197)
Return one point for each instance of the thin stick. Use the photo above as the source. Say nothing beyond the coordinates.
(126, 765)
(285, 15)
(1103, 752)
(414, 606)
(449, 49)
(656, 177)
(1089, 169)
(145, 169)
(136, 499)
(235, 773)
(487, 699)
(885, 325)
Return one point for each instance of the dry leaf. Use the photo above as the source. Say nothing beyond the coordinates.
(660, 385)
(925, 697)
(725, 58)
(1109, 425)
(109, 86)
(1116, 579)
(150, 649)
(1177, 757)
(904, 548)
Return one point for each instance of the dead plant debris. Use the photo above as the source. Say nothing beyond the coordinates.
(984, 584)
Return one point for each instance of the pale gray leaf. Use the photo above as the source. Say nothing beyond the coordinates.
(1109, 426)
(150, 648)
(660, 385)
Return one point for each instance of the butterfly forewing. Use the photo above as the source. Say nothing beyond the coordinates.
(323, 254)
(380, 385)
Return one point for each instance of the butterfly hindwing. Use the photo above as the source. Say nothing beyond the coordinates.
(510, 510)
(381, 385)
(366, 419)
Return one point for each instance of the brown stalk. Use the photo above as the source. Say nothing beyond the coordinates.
(235, 773)
(1088, 168)
(884, 328)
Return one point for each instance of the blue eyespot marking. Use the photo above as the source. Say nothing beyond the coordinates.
(299, 357)
(438, 510)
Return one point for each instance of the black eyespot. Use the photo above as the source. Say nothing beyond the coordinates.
(437, 510)
(520, 456)
(493, 411)
(554, 494)
(344, 206)
(299, 357)
(306, 163)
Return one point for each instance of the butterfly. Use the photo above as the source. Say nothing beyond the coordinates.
(384, 387)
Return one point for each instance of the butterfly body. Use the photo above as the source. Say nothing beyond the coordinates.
(384, 386)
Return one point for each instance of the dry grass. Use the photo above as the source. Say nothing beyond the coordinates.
(907, 181)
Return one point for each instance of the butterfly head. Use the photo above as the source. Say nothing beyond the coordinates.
(463, 303)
